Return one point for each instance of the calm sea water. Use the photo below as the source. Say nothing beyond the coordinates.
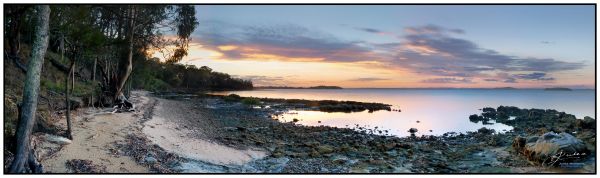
(431, 111)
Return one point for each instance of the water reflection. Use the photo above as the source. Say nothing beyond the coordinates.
(438, 110)
(396, 123)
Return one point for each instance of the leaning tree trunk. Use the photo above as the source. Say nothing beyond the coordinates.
(125, 65)
(31, 89)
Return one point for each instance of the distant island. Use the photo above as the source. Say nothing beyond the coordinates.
(504, 88)
(558, 89)
(287, 87)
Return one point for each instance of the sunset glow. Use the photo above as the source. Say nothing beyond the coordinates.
(549, 46)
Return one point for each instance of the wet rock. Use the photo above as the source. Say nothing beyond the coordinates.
(475, 119)
(485, 131)
(401, 169)
(277, 165)
(150, 160)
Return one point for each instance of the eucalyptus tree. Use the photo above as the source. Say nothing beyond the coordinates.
(25, 160)
(135, 30)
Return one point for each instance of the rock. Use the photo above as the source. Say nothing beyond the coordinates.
(339, 159)
(226, 128)
(586, 123)
(413, 130)
(389, 146)
(518, 143)
(241, 129)
(485, 131)
(405, 145)
(314, 154)
(475, 118)
(150, 160)
(277, 154)
(488, 109)
(84, 166)
(551, 148)
(377, 161)
(325, 149)
(359, 169)
(401, 169)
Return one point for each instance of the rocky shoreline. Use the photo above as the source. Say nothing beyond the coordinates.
(321, 149)
(184, 133)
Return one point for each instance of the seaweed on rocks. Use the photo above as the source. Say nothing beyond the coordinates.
(144, 152)
(85, 166)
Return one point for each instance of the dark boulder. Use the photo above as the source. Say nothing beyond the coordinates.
(586, 123)
(551, 148)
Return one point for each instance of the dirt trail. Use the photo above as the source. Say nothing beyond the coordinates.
(94, 131)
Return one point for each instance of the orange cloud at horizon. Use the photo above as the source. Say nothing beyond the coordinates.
(309, 71)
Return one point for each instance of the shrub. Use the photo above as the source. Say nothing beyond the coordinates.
(251, 101)
(232, 98)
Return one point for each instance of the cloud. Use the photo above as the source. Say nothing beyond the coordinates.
(373, 31)
(368, 79)
(447, 80)
(279, 42)
(369, 30)
(457, 31)
(510, 80)
(546, 42)
(534, 76)
(432, 50)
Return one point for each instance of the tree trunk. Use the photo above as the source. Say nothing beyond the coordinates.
(68, 103)
(31, 92)
(125, 65)
(72, 73)
(93, 82)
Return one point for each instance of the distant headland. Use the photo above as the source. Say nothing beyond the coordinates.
(558, 89)
(287, 87)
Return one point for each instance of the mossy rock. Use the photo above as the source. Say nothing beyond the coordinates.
(325, 149)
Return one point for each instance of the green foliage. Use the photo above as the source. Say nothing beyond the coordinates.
(153, 75)
(232, 98)
(251, 101)
(82, 89)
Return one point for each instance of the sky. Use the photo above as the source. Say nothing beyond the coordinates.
(399, 46)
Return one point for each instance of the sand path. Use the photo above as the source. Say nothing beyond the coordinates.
(94, 132)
